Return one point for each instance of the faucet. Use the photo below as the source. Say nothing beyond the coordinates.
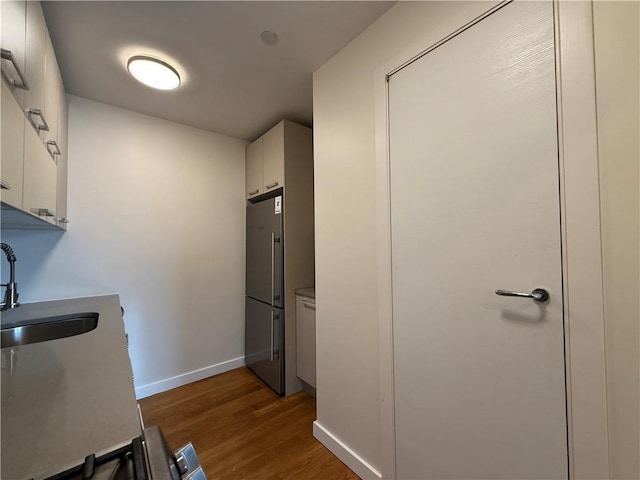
(11, 293)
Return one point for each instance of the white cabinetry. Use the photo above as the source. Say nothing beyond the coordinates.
(39, 195)
(34, 121)
(306, 339)
(266, 160)
(273, 157)
(36, 45)
(12, 142)
(52, 99)
(254, 169)
(63, 144)
(13, 14)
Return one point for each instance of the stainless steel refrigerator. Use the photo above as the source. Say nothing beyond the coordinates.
(264, 301)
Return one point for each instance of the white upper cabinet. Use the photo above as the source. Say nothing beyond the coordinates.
(36, 45)
(52, 98)
(61, 189)
(12, 27)
(273, 157)
(12, 147)
(254, 171)
(40, 179)
(266, 161)
(34, 120)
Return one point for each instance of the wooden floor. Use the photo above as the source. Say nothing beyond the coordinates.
(242, 430)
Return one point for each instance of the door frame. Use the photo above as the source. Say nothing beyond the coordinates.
(588, 447)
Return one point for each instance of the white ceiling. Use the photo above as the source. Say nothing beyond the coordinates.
(232, 83)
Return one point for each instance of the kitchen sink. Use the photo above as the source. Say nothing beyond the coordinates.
(47, 328)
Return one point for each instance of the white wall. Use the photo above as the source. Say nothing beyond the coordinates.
(348, 389)
(348, 401)
(157, 216)
(617, 57)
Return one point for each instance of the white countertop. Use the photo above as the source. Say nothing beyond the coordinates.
(309, 292)
(69, 397)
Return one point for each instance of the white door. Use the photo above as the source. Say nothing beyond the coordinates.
(479, 378)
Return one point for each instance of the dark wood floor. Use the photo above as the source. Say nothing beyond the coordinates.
(242, 430)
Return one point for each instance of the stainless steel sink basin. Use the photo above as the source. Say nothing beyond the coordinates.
(48, 328)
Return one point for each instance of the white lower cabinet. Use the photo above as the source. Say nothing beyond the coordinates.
(306, 339)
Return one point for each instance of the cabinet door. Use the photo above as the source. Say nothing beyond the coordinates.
(39, 195)
(12, 25)
(36, 32)
(254, 168)
(273, 157)
(61, 191)
(12, 139)
(306, 339)
(51, 96)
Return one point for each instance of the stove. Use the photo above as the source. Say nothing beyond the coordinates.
(147, 457)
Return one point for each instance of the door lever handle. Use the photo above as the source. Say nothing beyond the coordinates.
(538, 294)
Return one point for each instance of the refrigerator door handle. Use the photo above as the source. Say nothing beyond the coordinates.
(272, 335)
(276, 285)
(273, 272)
(275, 347)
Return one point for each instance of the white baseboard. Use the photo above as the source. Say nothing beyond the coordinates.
(350, 458)
(189, 377)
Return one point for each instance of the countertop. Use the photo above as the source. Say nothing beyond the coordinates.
(29, 311)
(69, 397)
(309, 292)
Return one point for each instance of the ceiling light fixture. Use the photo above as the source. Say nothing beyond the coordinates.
(268, 37)
(153, 72)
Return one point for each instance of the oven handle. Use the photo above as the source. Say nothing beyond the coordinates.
(138, 459)
(161, 461)
(116, 470)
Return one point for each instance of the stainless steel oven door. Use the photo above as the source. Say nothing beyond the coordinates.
(163, 464)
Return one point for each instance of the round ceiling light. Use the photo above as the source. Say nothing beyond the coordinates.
(268, 37)
(153, 72)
